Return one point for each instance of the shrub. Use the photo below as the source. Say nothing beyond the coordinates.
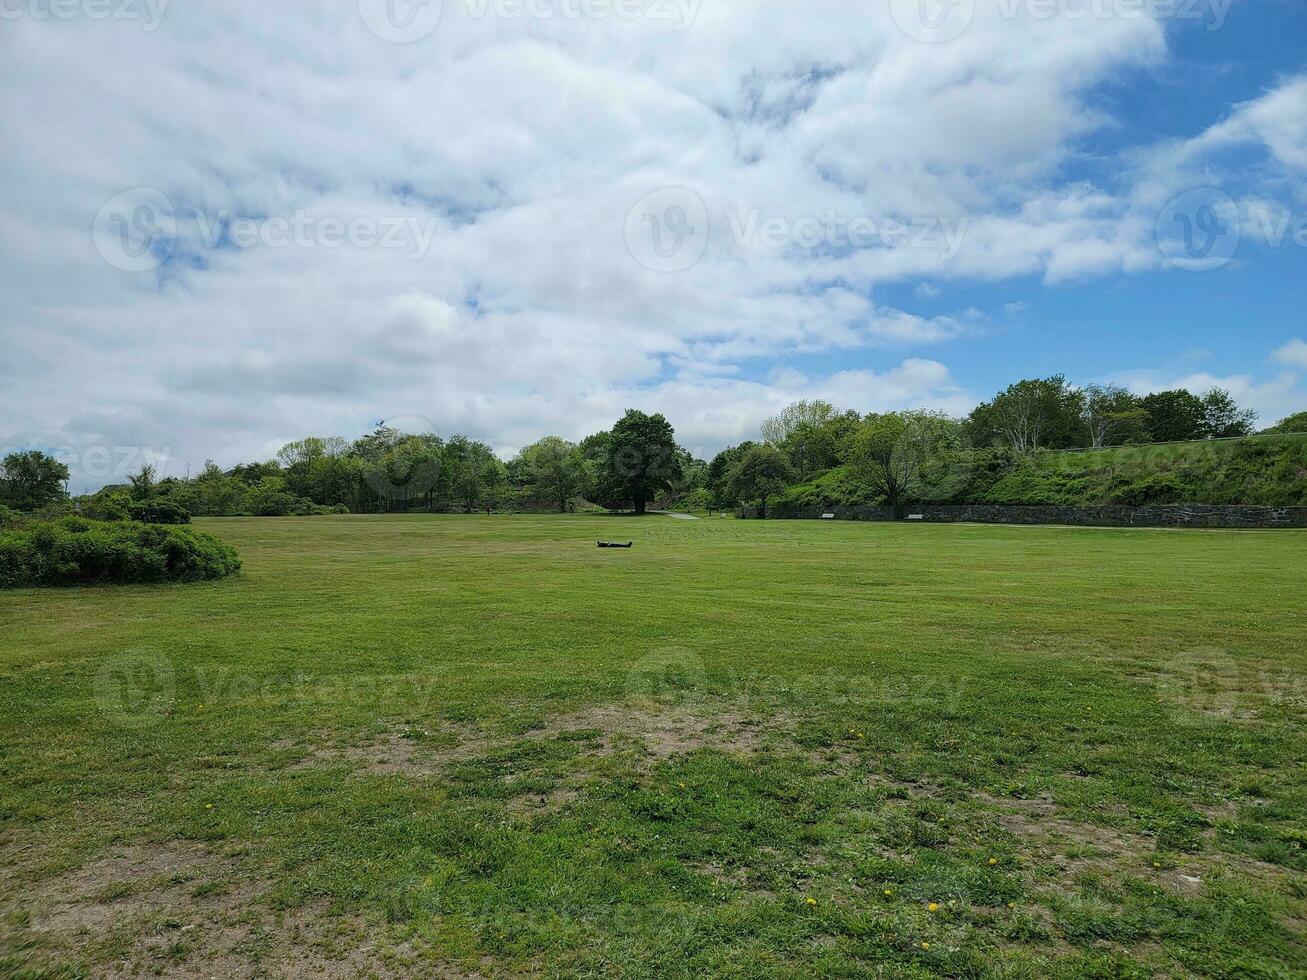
(160, 512)
(9, 518)
(76, 551)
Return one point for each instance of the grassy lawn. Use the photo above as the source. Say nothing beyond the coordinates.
(476, 746)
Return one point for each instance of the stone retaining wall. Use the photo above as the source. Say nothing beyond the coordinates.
(1169, 515)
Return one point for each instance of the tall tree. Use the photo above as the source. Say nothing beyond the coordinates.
(1223, 418)
(642, 459)
(554, 469)
(1031, 414)
(892, 451)
(719, 471)
(1174, 416)
(760, 473)
(30, 480)
(1111, 415)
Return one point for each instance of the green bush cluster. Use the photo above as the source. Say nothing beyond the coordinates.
(1270, 471)
(76, 551)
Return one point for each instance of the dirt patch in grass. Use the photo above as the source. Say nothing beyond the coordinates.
(1075, 849)
(180, 910)
(654, 731)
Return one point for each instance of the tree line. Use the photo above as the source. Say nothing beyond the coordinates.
(638, 461)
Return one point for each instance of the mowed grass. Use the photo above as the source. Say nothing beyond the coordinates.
(480, 746)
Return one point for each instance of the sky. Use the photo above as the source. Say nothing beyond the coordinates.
(224, 226)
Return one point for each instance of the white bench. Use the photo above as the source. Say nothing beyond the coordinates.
(916, 517)
(828, 517)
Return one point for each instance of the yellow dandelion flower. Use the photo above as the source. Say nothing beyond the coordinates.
(811, 901)
(993, 860)
(888, 892)
(925, 945)
(933, 907)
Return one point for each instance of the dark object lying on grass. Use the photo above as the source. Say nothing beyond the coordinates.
(614, 544)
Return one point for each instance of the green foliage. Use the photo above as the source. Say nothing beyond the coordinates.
(31, 480)
(1269, 471)
(76, 551)
(641, 460)
(902, 454)
(553, 470)
(1031, 414)
(760, 473)
(160, 512)
(1174, 416)
(1294, 423)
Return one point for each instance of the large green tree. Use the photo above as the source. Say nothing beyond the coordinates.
(1037, 413)
(1111, 415)
(553, 469)
(1223, 418)
(641, 459)
(892, 453)
(31, 480)
(1174, 416)
(760, 473)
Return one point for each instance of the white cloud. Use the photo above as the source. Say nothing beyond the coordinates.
(527, 141)
(1294, 353)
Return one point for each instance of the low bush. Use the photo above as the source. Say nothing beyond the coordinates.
(160, 512)
(76, 551)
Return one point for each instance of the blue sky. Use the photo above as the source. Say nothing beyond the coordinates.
(513, 220)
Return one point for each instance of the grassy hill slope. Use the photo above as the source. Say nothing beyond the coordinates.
(1269, 470)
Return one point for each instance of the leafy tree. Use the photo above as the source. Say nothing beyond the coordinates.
(760, 473)
(719, 471)
(1111, 415)
(813, 435)
(641, 459)
(31, 480)
(494, 476)
(794, 418)
(1029, 415)
(1294, 423)
(893, 451)
(554, 470)
(143, 483)
(467, 464)
(1223, 418)
(1174, 416)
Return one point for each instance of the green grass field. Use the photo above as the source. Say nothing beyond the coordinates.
(470, 746)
